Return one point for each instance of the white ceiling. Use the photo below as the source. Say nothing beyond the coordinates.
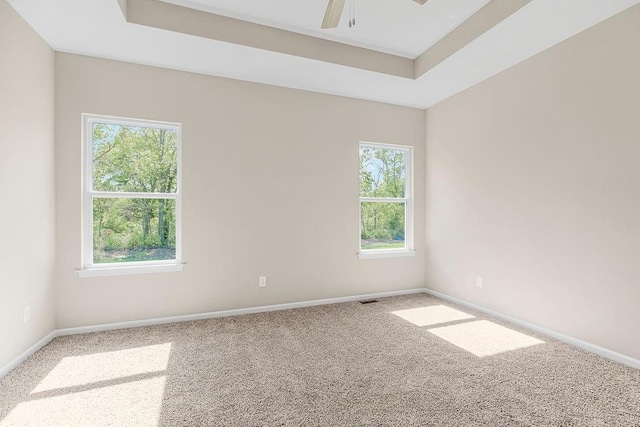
(97, 28)
(399, 27)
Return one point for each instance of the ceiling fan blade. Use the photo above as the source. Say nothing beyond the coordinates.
(420, 1)
(333, 14)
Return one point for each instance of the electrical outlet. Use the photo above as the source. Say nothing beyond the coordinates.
(262, 281)
(27, 314)
(479, 282)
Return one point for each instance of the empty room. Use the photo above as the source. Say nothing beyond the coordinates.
(320, 213)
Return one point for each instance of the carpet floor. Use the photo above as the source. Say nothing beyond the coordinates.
(404, 361)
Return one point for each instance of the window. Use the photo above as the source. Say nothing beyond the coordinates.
(385, 200)
(132, 197)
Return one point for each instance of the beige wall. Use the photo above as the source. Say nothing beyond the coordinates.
(270, 178)
(26, 174)
(533, 182)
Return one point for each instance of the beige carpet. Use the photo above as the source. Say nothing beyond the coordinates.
(405, 361)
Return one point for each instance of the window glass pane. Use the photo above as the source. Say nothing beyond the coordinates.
(134, 159)
(382, 172)
(127, 230)
(383, 225)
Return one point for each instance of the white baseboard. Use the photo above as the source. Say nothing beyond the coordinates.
(190, 317)
(609, 354)
(237, 312)
(228, 313)
(25, 355)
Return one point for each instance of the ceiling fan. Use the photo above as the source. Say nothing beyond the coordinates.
(334, 12)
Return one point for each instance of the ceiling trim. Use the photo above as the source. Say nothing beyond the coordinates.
(185, 20)
(123, 7)
(168, 16)
(482, 21)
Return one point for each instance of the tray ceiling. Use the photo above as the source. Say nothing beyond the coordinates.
(169, 39)
(399, 27)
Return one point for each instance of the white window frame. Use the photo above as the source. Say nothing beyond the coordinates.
(408, 250)
(89, 268)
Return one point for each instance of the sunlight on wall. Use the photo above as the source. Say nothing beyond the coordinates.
(432, 315)
(136, 403)
(92, 368)
(484, 338)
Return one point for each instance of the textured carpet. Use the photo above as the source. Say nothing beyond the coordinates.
(405, 361)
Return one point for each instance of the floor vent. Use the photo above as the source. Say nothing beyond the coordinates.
(368, 301)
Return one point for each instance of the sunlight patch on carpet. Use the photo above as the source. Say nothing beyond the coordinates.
(94, 368)
(136, 403)
(484, 338)
(432, 315)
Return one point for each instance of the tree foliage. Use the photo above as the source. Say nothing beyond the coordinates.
(134, 160)
(382, 175)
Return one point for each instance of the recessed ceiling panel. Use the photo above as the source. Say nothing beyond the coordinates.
(400, 27)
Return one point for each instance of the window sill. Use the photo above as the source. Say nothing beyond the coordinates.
(127, 271)
(386, 254)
